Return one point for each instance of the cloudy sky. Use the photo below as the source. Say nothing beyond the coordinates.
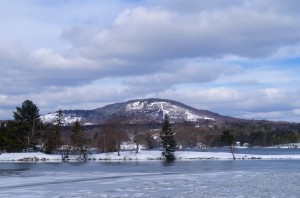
(236, 57)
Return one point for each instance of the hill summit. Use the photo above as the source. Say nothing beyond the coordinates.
(139, 111)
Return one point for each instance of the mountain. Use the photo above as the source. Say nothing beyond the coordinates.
(140, 111)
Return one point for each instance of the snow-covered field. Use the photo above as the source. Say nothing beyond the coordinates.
(142, 155)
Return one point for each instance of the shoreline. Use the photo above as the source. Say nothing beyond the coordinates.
(39, 157)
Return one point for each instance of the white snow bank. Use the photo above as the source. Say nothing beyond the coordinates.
(142, 155)
(29, 157)
(186, 155)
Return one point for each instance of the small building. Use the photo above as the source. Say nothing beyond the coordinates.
(246, 145)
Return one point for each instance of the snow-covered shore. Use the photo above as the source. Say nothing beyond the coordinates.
(142, 155)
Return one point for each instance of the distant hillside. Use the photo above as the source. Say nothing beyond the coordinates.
(140, 111)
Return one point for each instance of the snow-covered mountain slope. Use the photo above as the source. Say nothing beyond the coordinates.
(67, 118)
(175, 112)
(139, 111)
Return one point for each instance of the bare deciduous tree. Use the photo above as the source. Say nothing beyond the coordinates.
(79, 141)
(112, 134)
(139, 136)
(228, 139)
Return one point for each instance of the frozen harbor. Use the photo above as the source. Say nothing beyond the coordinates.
(201, 178)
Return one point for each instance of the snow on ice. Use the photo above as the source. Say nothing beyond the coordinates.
(142, 155)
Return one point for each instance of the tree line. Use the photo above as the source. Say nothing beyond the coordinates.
(27, 132)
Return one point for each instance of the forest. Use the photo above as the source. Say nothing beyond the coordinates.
(28, 133)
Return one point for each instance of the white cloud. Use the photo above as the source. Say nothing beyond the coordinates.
(273, 93)
(191, 6)
(49, 59)
(287, 52)
(214, 54)
(296, 112)
(153, 33)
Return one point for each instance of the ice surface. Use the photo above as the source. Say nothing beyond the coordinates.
(214, 179)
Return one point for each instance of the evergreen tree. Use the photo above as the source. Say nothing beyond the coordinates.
(78, 140)
(11, 137)
(53, 135)
(49, 140)
(58, 123)
(28, 118)
(167, 140)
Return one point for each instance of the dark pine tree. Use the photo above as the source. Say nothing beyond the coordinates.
(78, 140)
(168, 140)
(52, 137)
(49, 141)
(28, 118)
(58, 123)
(11, 137)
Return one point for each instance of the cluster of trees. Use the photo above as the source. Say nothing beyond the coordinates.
(24, 131)
(27, 131)
(263, 133)
(255, 133)
(109, 136)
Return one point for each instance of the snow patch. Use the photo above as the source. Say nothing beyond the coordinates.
(135, 106)
(207, 118)
(49, 118)
(72, 118)
(130, 146)
(191, 117)
(88, 124)
(68, 119)
(174, 111)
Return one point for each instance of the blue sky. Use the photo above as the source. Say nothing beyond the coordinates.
(237, 57)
